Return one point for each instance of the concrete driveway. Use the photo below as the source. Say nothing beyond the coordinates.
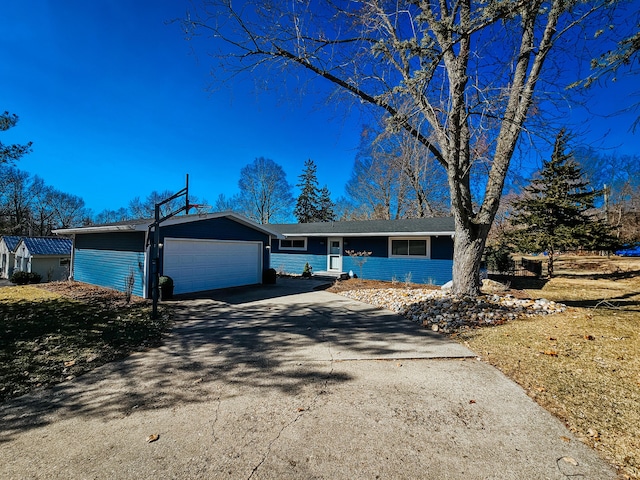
(285, 382)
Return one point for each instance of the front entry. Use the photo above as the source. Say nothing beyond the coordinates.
(334, 255)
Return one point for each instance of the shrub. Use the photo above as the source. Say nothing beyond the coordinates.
(35, 277)
(129, 283)
(23, 278)
(306, 273)
(498, 258)
(166, 287)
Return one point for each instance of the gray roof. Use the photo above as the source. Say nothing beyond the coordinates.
(48, 245)
(141, 225)
(371, 228)
(11, 241)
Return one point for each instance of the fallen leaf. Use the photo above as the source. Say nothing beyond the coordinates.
(541, 389)
(472, 401)
(300, 409)
(592, 432)
(153, 437)
(70, 363)
(565, 439)
(571, 461)
(551, 353)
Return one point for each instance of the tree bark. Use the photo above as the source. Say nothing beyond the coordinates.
(468, 244)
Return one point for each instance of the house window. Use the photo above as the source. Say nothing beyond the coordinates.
(409, 247)
(293, 244)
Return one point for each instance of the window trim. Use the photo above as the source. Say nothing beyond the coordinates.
(424, 257)
(292, 239)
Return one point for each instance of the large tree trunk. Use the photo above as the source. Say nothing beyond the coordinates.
(468, 245)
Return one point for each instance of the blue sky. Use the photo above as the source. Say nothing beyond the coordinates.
(116, 104)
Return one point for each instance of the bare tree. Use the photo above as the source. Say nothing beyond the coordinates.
(224, 203)
(42, 207)
(146, 208)
(110, 216)
(623, 59)
(394, 176)
(265, 195)
(69, 210)
(453, 74)
(376, 182)
(618, 176)
(16, 200)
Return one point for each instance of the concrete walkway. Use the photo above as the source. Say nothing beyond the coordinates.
(284, 382)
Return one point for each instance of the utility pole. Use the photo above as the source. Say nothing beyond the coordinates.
(606, 204)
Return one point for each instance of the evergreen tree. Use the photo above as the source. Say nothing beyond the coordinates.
(306, 209)
(10, 153)
(326, 211)
(553, 215)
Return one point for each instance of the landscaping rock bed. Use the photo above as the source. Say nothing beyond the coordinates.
(442, 311)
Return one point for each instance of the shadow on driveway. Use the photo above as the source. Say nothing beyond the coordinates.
(237, 337)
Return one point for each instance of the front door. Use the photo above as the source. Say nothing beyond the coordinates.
(334, 255)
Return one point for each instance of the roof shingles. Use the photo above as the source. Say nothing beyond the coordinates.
(48, 245)
(413, 226)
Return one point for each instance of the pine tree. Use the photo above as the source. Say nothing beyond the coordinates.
(553, 215)
(307, 204)
(326, 212)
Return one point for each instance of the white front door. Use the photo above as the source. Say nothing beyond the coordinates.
(334, 255)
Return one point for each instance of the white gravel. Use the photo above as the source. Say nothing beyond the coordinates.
(442, 311)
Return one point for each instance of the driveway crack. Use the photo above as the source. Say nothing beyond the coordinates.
(300, 414)
(215, 419)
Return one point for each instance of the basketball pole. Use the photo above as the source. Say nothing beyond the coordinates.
(155, 256)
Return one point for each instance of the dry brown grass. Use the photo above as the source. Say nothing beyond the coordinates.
(53, 332)
(26, 293)
(582, 365)
(358, 284)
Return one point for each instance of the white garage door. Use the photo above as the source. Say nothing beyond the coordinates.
(197, 265)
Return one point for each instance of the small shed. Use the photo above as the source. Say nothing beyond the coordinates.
(199, 252)
(50, 257)
(8, 245)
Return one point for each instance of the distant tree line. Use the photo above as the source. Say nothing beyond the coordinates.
(580, 199)
(30, 207)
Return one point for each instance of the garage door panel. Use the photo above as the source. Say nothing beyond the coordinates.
(197, 265)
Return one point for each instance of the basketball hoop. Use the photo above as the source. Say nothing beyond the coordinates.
(201, 208)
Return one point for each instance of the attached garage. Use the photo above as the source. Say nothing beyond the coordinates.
(197, 264)
(199, 252)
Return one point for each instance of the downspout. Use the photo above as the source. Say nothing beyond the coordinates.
(73, 257)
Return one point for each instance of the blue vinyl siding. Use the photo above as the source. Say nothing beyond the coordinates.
(315, 246)
(378, 246)
(118, 241)
(442, 248)
(294, 263)
(436, 272)
(109, 268)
